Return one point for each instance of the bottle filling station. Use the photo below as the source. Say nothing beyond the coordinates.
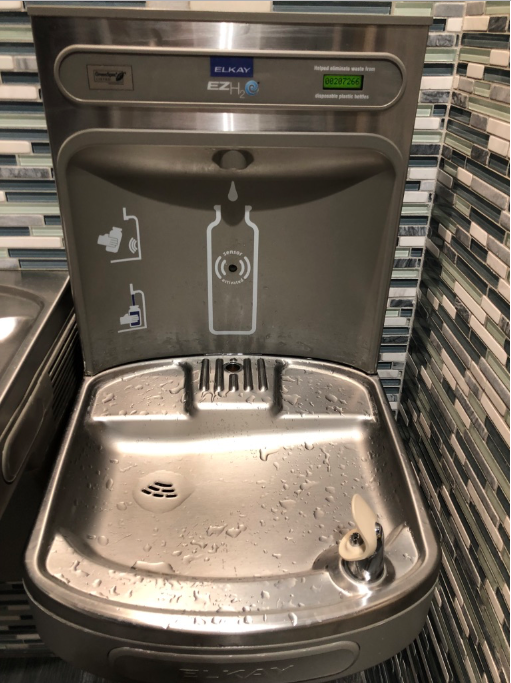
(232, 500)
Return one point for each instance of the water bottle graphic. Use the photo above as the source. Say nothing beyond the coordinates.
(232, 253)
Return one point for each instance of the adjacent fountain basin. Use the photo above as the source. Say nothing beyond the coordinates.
(197, 509)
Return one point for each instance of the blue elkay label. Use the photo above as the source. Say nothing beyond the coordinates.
(232, 67)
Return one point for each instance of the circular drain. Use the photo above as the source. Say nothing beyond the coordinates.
(161, 491)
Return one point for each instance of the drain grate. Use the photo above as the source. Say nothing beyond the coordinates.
(160, 490)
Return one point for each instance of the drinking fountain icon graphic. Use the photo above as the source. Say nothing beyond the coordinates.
(112, 240)
(135, 318)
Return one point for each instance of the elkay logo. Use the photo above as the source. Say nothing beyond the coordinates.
(232, 67)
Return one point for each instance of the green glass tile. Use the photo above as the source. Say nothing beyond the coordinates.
(15, 208)
(417, 4)
(458, 143)
(462, 205)
(495, 331)
(476, 405)
(440, 54)
(459, 277)
(408, 11)
(428, 136)
(415, 210)
(496, 75)
(405, 273)
(496, 7)
(495, 503)
(503, 479)
(490, 107)
(47, 232)
(450, 168)
(34, 161)
(4, 253)
(392, 313)
(448, 278)
(482, 88)
(424, 110)
(451, 409)
(469, 54)
(402, 253)
(16, 34)
(489, 566)
(498, 369)
(448, 222)
(505, 557)
(23, 121)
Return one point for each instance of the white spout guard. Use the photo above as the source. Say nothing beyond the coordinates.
(365, 520)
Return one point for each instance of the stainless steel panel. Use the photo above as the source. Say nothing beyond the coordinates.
(182, 511)
(328, 326)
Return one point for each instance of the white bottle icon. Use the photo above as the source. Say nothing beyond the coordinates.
(232, 253)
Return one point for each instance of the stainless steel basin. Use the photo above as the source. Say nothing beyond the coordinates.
(200, 502)
(34, 307)
(18, 313)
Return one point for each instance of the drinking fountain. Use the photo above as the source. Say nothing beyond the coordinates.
(232, 500)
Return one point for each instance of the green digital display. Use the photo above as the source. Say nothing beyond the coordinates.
(342, 82)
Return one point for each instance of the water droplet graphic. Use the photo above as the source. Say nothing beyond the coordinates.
(233, 193)
(293, 618)
(122, 506)
(102, 540)
(109, 484)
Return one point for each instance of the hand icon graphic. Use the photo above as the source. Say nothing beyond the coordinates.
(112, 240)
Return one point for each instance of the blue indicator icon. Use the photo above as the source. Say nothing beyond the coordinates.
(252, 88)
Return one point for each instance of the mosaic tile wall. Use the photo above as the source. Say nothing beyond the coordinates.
(454, 412)
(455, 403)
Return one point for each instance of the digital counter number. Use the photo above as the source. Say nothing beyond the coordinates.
(342, 82)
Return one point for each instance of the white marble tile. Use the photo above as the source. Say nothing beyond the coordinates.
(15, 147)
(416, 197)
(499, 57)
(476, 23)
(422, 172)
(499, 128)
(496, 265)
(479, 234)
(454, 24)
(475, 70)
(412, 241)
(31, 242)
(6, 62)
(436, 82)
(19, 92)
(498, 145)
(464, 176)
(427, 123)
